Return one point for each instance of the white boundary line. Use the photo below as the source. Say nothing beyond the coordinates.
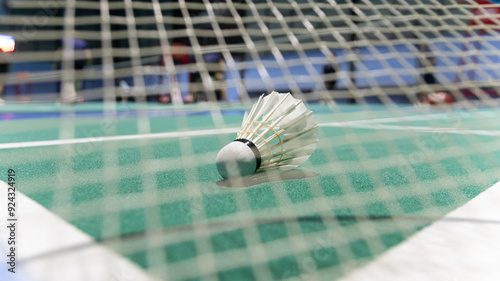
(352, 124)
(416, 128)
(449, 251)
(118, 138)
(39, 232)
(423, 117)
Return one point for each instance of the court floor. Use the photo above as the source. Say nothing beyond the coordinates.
(141, 180)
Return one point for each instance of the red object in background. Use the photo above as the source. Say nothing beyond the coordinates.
(438, 98)
(487, 15)
(483, 15)
(490, 92)
(165, 98)
(179, 54)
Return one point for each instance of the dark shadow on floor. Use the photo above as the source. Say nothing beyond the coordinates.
(267, 176)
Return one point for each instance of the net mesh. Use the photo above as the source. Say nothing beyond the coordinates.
(140, 178)
(369, 51)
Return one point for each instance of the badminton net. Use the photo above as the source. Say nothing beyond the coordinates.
(405, 93)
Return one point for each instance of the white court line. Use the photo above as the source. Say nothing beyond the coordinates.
(451, 115)
(352, 124)
(449, 251)
(423, 117)
(416, 128)
(39, 232)
(118, 138)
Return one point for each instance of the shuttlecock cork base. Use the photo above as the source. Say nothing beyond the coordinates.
(239, 158)
(278, 133)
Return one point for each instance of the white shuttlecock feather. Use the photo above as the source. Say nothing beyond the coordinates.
(279, 132)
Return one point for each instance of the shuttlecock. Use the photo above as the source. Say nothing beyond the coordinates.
(278, 133)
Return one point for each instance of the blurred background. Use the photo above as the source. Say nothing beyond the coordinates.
(355, 51)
